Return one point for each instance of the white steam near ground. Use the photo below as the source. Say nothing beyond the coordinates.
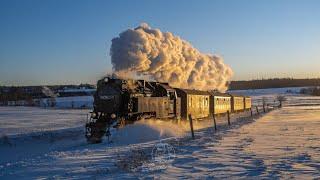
(154, 129)
(164, 57)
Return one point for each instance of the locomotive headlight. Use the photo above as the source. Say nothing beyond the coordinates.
(106, 79)
(113, 116)
(93, 115)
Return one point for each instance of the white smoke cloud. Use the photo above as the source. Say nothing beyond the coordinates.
(164, 57)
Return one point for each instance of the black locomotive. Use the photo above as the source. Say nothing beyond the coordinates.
(118, 102)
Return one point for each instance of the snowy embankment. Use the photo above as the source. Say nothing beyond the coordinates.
(281, 144)
(29, 131)
(25, 120)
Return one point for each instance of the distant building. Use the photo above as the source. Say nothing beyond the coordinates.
(61, 96)
(76, 91)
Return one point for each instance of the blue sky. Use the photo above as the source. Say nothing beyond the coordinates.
(68, 41)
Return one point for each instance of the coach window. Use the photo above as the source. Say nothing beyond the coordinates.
(202, 102)
(206, 101)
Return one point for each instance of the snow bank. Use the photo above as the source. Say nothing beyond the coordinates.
(74, 102)
(25, 120)
(147, 130)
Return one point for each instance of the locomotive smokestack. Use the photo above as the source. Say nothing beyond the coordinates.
(164, 57)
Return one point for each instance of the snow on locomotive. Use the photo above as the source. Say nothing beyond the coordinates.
(118, 102)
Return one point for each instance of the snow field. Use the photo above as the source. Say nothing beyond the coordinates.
(282, 144)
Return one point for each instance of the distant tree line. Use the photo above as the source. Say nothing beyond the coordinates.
(14, 94)
(273, 83)
(28, 93)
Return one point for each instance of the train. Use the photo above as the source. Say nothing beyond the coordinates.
(118, 102)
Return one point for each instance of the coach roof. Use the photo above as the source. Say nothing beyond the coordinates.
(215, 93)
(193, 91)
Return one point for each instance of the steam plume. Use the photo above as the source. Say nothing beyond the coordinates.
(164, 57)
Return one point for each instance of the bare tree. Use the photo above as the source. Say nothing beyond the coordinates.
(264, 102)
(281, 99)
(51, 102)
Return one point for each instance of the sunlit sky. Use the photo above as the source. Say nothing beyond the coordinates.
(68, 41)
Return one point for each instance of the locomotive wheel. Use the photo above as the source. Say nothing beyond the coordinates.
(88, 131)
(94, 132)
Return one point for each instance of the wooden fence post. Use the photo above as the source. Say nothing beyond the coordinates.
(257, 110)
(191, 126)
(214, 121)
(228, 113)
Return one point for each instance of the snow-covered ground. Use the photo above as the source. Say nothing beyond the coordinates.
(25, 120)
(29, 131)
(73, 102)
(283, 143)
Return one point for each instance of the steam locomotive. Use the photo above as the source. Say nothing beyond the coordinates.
(118, 102)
